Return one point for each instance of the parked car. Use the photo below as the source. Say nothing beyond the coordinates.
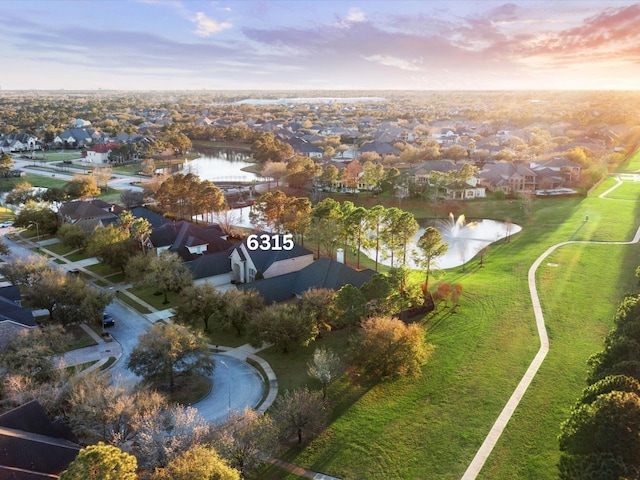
(107, 320)
(6, 224)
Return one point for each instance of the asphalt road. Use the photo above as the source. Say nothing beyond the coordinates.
(235, 383)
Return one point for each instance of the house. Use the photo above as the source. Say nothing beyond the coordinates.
(249, 265)
(100, 153)
(381, 149)
(323, 273)
(32, 447)
(74, 137)
(469, 190)
(89, 215)
(420, 174)
(566, 169)
(509, 177)
(18, 142)
(188, 240)
(14, 318)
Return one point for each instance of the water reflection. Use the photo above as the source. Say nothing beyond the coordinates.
(222, 165)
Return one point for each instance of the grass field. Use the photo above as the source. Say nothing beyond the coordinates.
(431, 427)
(632, 164)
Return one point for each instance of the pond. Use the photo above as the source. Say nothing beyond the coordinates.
(221, 165)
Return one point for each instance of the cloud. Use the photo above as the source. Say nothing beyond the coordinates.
(206, 26)
(395, 62)
(355, 15)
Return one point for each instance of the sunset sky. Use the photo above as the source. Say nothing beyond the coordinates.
(307, 45)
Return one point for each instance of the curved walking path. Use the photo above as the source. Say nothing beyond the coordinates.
(505, 415)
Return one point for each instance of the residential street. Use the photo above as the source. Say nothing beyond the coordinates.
(235, 383)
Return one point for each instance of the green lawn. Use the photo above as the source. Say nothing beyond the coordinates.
(632, 164)
(431, 427)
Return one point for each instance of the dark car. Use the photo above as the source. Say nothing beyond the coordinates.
(107, 320)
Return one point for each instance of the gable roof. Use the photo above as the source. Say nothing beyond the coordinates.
(182, 234)
(263, 259)
(79, 210)
(210, 265)
(155, 219)
(31, 446)
(323, 273)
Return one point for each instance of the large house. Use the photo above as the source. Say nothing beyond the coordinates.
(18, 142)
(248, 265)
(100, 153)
(75, 137)
(89, 215)
(508, 177)
(323, 273)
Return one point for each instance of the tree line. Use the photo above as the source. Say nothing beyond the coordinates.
(601, 437)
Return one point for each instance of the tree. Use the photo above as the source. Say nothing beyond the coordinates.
(324, 228)
(169, 433)
(431, 246)
(73, 236)
(101, 462)
(239, 308)
(282, 326)
(300, 170)
(267, 148)
(167, 273)
(388, 347)
(24, 271)
(167, 351)
(372, 175)
(316, 305)
(199, 303)
(6, 162)
(82, 187)
(21, 193)
(357, 225)
(268, 210)
(112, 245)
(198, 462)
(246, 440)
(4, 248)
(349, 306)
(69, 299)
(325, 366)
(103, 175)
(186, 195)
(329, 176)
(33, 353)
(275, 170)
(376, 224)
(39, 214)
(140, 231)
(99, 407)
(608, 427)
(300, 412)
(351, 175)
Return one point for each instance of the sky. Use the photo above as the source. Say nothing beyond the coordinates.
(319, 45)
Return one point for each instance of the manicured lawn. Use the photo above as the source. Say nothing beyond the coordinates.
(626, 191)
(60, 248)
(632, 164)
(150, 296)
(431, 427)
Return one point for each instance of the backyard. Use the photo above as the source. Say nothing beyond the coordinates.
(431, 427)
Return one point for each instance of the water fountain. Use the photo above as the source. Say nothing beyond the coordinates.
(467, 239)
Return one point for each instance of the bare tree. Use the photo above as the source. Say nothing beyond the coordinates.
(299, 413)
(325, 366)
(247, 440)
